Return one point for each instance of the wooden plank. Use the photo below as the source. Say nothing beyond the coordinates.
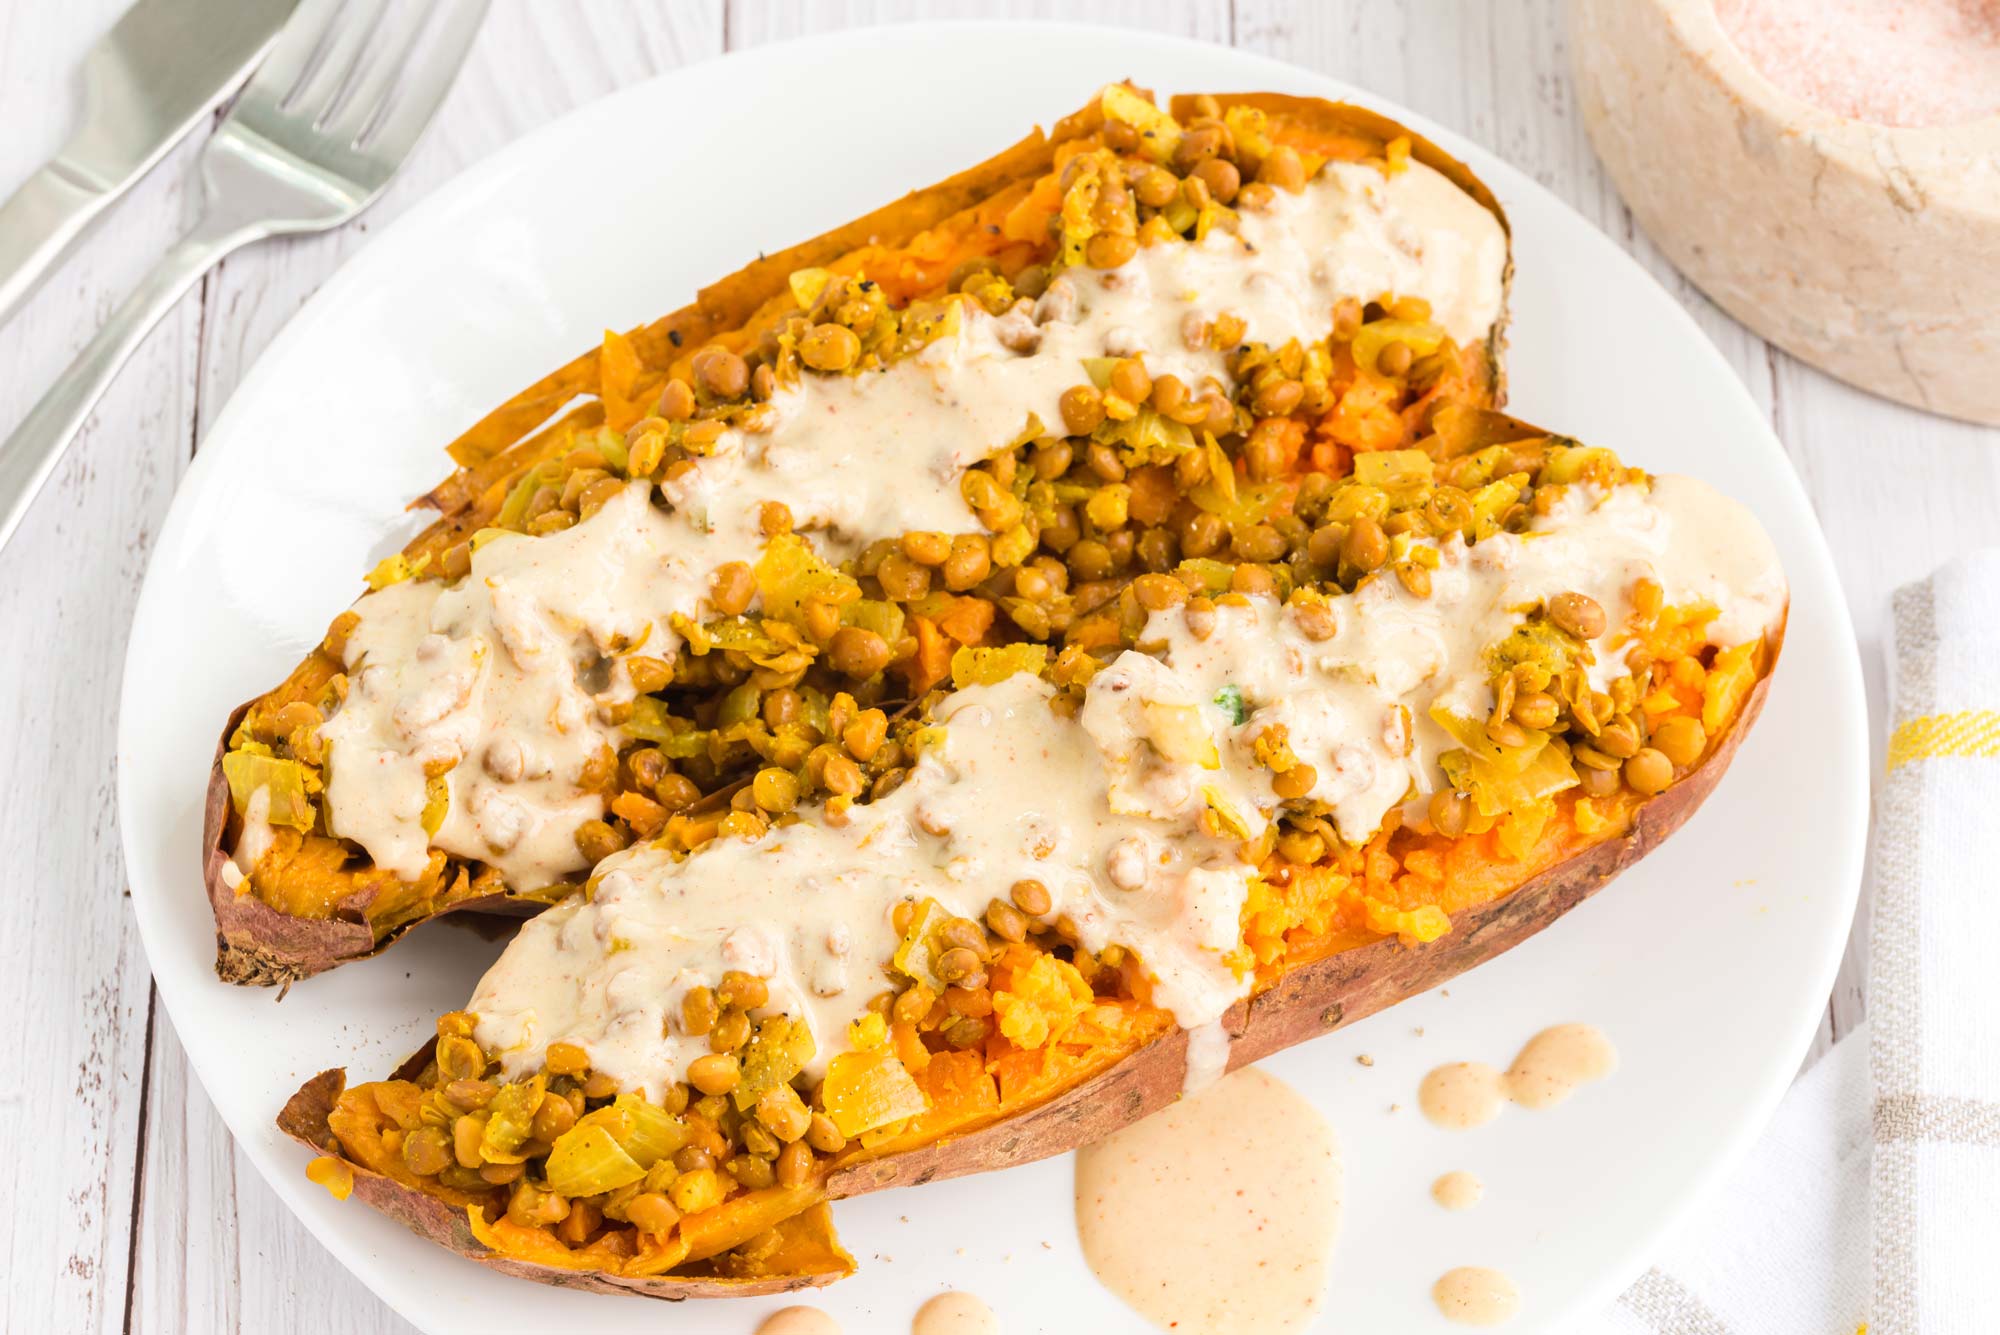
(72, 977)
(187, 1254)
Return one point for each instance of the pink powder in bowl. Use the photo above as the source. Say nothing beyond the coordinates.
(1889, 62)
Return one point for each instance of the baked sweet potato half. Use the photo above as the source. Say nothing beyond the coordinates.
(969, 419)
(1240, 804)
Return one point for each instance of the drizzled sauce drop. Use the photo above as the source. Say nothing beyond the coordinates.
(1458, 1190)
(955, 1314)
(799, 1321)
(1472, 1295)
(1552, 1066)
(1240, 1179)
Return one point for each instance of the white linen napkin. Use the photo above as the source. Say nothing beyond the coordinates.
(1873, 1201)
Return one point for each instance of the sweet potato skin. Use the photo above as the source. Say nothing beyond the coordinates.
(256, 945)
(1305, 1003)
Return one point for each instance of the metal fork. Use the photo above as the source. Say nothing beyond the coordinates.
(327, 119)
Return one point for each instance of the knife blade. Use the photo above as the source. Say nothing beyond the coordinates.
(147, 82)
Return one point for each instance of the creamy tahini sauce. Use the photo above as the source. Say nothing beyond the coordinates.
(955, 1314)
(872, 455)
(1476, 1296)
(1412, 234)
(503, 664)
(1556, 1062)
(1554, 1065)
(1356, 706)
(1720, 554)
(799, 1321)
(1119, 812)
(1461, 1095)
(501, 680)
(254, 841)
(1015, 792)
(1217, 1214)
(1458, 1190)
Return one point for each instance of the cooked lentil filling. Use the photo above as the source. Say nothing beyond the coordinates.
(1072, 530)
(980, 1014)
(807, 689)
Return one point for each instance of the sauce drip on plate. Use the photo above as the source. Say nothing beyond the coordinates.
(1553, 1065)
(1242, 1178)
(1473, 1295)
(799, 1321)
(1458, 1190)
(955, 1314)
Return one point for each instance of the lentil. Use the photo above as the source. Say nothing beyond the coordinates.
(716, 1073)
(731, 588)
(858, 653)
(731, 1032)
(1681, 740)
(1577, 613)
(720, 372)
(1648, 772)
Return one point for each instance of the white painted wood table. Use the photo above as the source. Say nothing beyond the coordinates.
(129, 1208)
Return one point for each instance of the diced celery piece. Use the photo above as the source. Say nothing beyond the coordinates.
(1497, 789)
(587, 1160)
(1159, 133)
(983, 667)
(779, 1050)
(790, 574)
(396, 568)
(511, 1120)
(865, 1090)
(646, 1131)
(283, 780)
(1393, 470)
(1421, 338)
(884, 618)
(916, 957)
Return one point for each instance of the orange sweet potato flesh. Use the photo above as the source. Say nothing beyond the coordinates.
(351, 910)
(977, 1124)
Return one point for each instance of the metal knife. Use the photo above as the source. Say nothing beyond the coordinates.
(146, 83)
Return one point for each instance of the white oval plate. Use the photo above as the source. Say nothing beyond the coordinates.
(1708, 965)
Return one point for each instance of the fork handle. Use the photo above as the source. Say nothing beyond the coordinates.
(38, 224)
(30, 454)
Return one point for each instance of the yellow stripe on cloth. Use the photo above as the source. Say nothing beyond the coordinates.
(1970, 732)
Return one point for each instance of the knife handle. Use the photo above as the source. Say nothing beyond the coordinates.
(38, 225)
